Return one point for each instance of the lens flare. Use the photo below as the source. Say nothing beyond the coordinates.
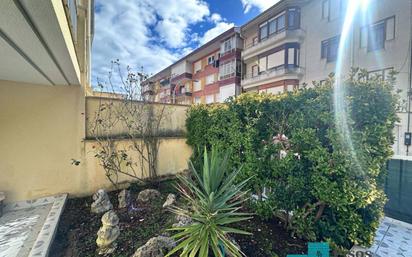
(340, 109)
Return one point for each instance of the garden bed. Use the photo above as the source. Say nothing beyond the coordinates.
(77, 230)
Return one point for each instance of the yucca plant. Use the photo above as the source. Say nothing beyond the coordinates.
(214, 200)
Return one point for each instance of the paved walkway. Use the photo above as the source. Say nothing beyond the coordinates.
(393, 239)
(27, 228)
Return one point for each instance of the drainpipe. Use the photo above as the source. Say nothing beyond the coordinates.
(410, 78)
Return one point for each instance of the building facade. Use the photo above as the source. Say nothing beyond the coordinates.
(296, 42)
(210, 74)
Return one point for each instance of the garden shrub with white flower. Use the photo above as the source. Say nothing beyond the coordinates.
(320, 188)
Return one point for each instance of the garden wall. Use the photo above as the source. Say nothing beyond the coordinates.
(42, 130)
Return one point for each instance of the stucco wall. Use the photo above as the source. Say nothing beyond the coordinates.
(42, 129)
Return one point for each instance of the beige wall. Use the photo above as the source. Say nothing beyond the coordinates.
(42, 129)
(173, 121)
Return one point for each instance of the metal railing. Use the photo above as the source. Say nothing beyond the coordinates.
(279, 70)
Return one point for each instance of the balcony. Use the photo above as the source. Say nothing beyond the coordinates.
(273, 75)
(281, 38)
(182, 77)
(148, 89)
(165, 82)
(37, 42)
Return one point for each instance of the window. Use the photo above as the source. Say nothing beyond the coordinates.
(255, 71)
(278, 23)
(209, 99)
(293, 18)
(291, 87)
(262, 64)
(329, 49)
(291, 55)
(210, 59)
(333, 9)
(196, 85)
(227, 45)
(210, 79)
(263, 31)
(363, 37)
(373, 37)
(286, 57)
(198, 66)
(197, 100)
(227, 70)
(272, 26)
(390, 28)
(276, 59)
(217, 97)
(325, 9)
(376, 37)
(281, 23)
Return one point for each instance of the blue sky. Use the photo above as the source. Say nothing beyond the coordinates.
(155, 33)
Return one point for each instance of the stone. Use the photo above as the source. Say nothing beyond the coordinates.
(156, 247)
(124, 198)
(148, 195)
(108, 233)
(170, 200)
(101, 202)
(182, 221)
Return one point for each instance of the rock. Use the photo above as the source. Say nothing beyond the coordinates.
(182, 221)
(108, 233)
(148, 195)
(101, 202)
(155, 247)
(124, 198)
(170, 200)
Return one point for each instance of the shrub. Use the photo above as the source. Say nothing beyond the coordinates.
(321, 179)
(214, 202)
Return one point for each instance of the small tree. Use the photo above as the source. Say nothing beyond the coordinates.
(126, 126)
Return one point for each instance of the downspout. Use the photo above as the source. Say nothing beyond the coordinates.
(410, 78)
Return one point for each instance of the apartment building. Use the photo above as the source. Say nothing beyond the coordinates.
(296, 42)
(210, 74)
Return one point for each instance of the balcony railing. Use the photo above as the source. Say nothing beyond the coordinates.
(284, 70)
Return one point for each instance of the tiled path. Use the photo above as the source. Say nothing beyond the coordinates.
(393, 239)
(27, 228)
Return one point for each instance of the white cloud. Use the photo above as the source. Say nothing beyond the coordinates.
(215, 31)
(176, 16)
(148, 33)
(215, 17)
(262, 5)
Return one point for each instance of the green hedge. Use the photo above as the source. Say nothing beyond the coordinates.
(321, 186)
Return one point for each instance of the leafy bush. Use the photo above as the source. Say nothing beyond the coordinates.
(323, 180)
(214, 202)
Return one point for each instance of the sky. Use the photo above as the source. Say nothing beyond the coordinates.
(155, 33)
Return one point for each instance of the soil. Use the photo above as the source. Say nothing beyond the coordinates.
(269, 239)
(76, 234)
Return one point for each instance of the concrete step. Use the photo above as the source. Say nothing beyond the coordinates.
(27, 228)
